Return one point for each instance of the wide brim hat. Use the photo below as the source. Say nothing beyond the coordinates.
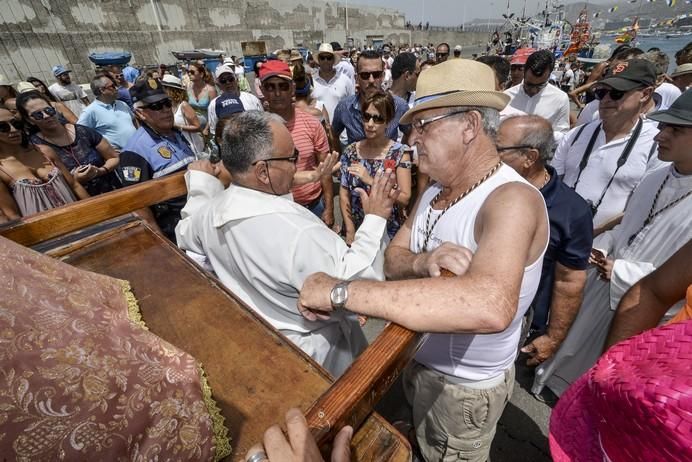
(325, 48)
(634, 404)
(295, 56)
(682, 70)
(679, 113)
(23, 87)
(458, 82)
(172, 81)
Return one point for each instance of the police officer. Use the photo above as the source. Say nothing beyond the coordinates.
(156, 149)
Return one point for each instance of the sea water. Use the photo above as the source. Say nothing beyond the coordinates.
(667, 45)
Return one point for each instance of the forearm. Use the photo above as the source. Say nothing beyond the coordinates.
(328, 193)
(400, 263)
(608, 225)
(639, 309)
(566, 301)
(345, 206)
(111, 164)
(467, 305)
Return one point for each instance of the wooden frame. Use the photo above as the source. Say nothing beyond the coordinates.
(349, 400)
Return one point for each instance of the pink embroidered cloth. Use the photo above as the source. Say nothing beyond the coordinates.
(80, 381)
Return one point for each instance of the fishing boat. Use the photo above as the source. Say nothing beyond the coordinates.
(581, 37)
(629, 36)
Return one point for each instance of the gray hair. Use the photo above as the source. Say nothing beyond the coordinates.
(246, 137)
(99, 82)
(489, 116)
(537, 133)
(659, 59)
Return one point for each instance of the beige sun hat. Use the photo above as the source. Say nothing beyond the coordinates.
(458, 82)
(23, 87)
(682, 70)
(325, 48)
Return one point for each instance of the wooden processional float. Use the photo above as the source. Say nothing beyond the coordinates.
(255, 373)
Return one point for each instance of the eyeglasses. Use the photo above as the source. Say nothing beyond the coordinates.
(280, 86)
(442, 55)
(46, 112)
(157, 106)
(192, 72)
(366, 75)
(119, 76)
(325, 58)
(6, 127)
(420, 125)
(110, 87)
(537, 86)
(226, 80)
(615, 95)
(292, 159)
(378, 119)
(518, 147)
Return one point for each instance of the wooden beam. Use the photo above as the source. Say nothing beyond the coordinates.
(63, 220)
(350, 400)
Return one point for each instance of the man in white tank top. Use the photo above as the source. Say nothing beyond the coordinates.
(481, 221)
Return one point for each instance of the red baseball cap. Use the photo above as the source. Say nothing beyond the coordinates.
(275, 68)
(521, 55)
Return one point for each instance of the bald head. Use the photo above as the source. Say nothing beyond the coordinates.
(529, 130)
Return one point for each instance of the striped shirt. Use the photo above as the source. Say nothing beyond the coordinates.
(310, 139)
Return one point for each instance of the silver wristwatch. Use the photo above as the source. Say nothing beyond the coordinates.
(339, 295)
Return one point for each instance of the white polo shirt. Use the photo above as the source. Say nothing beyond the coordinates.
(550, 103)
(602, 164)
(330, 93)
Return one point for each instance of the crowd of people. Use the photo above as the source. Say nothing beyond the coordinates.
(462, 198)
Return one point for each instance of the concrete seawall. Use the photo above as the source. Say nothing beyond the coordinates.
(38, 34)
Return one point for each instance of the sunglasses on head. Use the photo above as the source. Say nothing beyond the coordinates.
(226, 80)
(157, 106)
(366, 75)
(281, 86)
(48, 111)
(615, 95)
(5, 127)
(325, 58)
(378, 119)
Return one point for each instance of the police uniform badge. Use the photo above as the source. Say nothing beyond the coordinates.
(164, 152)
(131, 173)
(153, 84)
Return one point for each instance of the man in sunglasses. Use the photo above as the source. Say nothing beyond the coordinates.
(107, 115)
(604, 160)
(347, 116)
(231, 99)
(123, 85)
(156, 149)
(330, 86)
(308, 137)
(70, 93)
(535, 96)
(442, 52)
(262, 245)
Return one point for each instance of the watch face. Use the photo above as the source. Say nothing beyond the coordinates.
(338, 295)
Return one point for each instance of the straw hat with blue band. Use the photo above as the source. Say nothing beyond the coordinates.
(457, 82)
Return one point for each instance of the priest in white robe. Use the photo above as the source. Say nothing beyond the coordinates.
(657, 222)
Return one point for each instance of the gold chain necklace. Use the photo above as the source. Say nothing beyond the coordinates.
(428, 227)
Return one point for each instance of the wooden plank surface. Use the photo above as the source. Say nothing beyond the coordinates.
(255, 373)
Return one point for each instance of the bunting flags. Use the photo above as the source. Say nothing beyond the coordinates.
(670, 3)
(632, 1)
(613, 9)
(598, 13)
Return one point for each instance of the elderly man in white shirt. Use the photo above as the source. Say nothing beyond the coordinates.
(535, 96)
(263, 246)
(604, 161)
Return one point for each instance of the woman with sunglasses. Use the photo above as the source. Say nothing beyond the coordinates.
(64, 112)
(84, 151)
(31, 181)
(362, 159)
(185, 118)
(201, 91)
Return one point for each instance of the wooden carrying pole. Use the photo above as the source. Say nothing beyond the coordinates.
(348, 401)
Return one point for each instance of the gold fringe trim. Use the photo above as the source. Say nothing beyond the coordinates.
(133, 311)
(221, 441)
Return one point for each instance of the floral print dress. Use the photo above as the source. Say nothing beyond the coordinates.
(392, 160)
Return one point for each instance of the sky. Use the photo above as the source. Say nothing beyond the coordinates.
(451, 12)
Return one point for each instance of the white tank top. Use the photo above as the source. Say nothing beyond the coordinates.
(472, 357)
(195, 139)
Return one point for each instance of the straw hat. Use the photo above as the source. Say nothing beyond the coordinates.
(23, 87)
(682, 70)
(634, 404)
(458, 82)
(172, 81)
